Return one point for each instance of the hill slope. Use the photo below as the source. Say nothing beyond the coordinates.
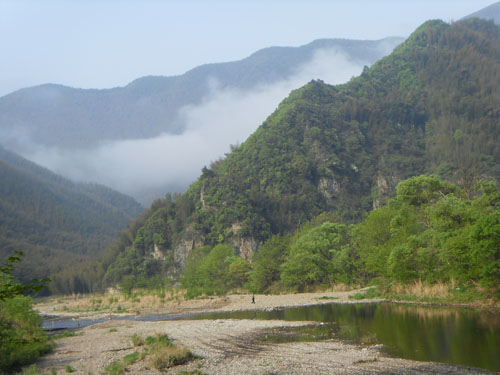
(149, 106)
(432, 106)
(491, 12)
(56, 223)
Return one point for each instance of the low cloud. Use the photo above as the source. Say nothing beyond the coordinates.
(171, 162)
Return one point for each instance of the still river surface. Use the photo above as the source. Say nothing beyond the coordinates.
(449, 335)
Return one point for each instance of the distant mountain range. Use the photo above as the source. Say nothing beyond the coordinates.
(55, 115)
(58, 224)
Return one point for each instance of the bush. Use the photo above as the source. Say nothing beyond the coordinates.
(167, 356)
(137, 340)
(22, 340)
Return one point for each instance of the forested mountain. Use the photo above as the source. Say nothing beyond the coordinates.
(57, 224)
(432, 106)
(491, 12)
(65, 117)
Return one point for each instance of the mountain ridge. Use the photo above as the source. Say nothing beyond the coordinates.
(149, 104)
(339, 149)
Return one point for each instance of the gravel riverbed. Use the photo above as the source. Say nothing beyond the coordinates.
(230, 346)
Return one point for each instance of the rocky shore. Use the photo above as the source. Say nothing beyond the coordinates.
(230, 346)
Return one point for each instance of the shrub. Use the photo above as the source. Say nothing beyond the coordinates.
(137, 340)
(167, 356)
(22, 340)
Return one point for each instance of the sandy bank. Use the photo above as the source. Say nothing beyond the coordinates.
(82, 305)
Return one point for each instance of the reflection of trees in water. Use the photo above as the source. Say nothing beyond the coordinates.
(483, 319)
(426, 313)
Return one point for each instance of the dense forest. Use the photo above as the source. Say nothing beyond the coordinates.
(58, 224)
(432, 231)
(431, 107)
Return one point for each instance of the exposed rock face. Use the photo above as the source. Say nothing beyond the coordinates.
(245, 247)
(190, 239)
(328, 187)
(385, 187)
(157, 254)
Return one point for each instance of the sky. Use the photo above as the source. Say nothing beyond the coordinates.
(109, 43)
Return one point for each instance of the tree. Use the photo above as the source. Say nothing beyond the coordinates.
(322, 255)
(266, 264)
(22, 339)
(8, 287)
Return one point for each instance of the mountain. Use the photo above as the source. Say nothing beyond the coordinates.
(431, 106)
(64, 117)
(491, 12)
(57, 224)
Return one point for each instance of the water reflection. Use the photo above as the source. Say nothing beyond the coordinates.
(450, 335)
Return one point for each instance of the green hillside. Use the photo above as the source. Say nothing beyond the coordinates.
(430, 107)
(57, 224)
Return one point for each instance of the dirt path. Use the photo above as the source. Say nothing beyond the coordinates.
(227, 346)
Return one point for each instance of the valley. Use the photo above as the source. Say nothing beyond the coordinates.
(327, 208)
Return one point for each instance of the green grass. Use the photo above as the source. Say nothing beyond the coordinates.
(132, 358)
(32, 370)
(69, 368)
(115, 368)
(367, 294)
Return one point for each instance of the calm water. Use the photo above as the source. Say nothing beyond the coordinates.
(450, 335)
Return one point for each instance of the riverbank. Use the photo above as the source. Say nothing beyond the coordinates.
(228, 347)
(99, 306)
(222, 346)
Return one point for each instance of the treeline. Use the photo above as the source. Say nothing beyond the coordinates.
(431, 231)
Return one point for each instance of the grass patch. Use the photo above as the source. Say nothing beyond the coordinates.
(69, 368)
(111, 330)
(132, 358)
(369, 293)
(163, 357)
(115, 368)
(160, 351)
(450, 293)
(137, 340)
(32, 370)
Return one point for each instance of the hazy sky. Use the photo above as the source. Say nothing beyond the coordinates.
(107, 43)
